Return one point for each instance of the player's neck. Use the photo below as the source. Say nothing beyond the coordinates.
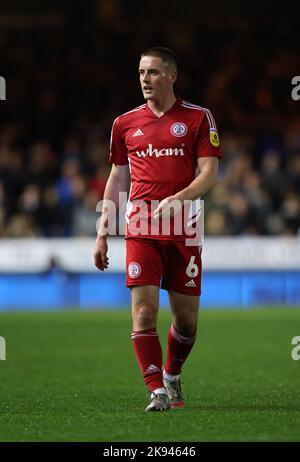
(160, 107)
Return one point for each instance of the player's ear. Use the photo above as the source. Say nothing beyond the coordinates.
(173, 76)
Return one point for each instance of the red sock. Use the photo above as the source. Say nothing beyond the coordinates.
(148, 352)
(179, 348)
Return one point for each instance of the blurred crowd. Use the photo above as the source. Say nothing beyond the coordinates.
(66, 84)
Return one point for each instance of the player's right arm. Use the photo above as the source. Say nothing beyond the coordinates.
(117, 182)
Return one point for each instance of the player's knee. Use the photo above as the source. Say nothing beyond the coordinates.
(145, 315)
(187, 328)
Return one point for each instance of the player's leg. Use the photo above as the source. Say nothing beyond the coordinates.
(146, 343)
(144, 270)
(183, 285)
(147, 347)
(182, 333)
(181, 339)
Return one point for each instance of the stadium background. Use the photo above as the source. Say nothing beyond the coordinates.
(70, 68)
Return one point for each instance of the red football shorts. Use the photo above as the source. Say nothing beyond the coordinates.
(170, 265)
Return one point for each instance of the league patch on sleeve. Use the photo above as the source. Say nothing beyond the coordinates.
(214, 138)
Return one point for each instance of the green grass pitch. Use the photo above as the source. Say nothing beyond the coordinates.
(72, 376)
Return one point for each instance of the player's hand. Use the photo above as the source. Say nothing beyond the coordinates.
(100, 253)
(164, 210)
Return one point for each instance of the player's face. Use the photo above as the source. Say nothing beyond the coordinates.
(156, 80)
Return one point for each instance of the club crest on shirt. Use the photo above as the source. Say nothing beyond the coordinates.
(214, 138)
(179, 129)
(134, 270)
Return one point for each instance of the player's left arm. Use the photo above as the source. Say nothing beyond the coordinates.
(208, 167)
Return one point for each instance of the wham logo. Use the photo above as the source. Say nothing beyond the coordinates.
(161, 152)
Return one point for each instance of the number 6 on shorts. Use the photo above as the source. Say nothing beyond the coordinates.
(192, 269)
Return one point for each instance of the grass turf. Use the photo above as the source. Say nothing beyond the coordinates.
(72, 376)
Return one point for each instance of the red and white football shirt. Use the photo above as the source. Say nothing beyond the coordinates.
(162, 151)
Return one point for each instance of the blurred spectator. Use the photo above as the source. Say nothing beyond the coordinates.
(274, 178)
(51, 218)
(20, 225)
(290, 210)
(42, 169)
(239, 213)
(215, 223)
(84, 215)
